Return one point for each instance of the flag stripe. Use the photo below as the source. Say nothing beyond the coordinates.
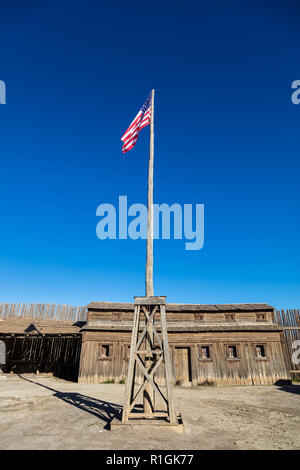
(132, 138)
(135, 132)
(130, 142)
(141, 120)
(134, 122)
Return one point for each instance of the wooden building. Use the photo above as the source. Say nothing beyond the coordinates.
(38, 345)
(236, 344)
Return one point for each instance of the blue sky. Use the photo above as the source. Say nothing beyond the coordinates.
(226, 136)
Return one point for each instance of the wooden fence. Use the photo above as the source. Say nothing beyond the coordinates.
(290, 321)
(43, 311)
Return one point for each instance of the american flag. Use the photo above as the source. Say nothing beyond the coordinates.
(142, 119)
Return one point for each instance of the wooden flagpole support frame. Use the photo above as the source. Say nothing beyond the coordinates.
(149, 350)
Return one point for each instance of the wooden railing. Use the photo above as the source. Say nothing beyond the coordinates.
(42, 311)
(290, 321)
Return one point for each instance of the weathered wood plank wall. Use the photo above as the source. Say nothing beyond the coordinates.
(234, 344)
(218, 369)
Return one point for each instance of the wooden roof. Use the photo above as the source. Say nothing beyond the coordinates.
(185, 307)
(33, 326)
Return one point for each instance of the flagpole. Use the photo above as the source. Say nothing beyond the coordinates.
(148, 395)
(149, 259)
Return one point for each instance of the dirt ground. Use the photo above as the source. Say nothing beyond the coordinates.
(39, 412)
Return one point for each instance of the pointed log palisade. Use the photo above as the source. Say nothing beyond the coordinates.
(149, 350)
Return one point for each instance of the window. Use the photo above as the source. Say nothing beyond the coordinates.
(260, 317)
(230, 317)
(232, 352)
(199, 316)
(104, 351)
(205, 352)
(116, 316)
(260, 350)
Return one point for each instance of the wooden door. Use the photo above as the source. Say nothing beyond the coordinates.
(182, 365)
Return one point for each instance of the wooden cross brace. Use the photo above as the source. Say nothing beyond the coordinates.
(143, 344)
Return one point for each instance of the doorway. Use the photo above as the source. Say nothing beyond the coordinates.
(182, 361)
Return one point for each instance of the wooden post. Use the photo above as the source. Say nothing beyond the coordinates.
(149, 261)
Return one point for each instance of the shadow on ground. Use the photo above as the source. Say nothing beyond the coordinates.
(103, 410)
(291, 389)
